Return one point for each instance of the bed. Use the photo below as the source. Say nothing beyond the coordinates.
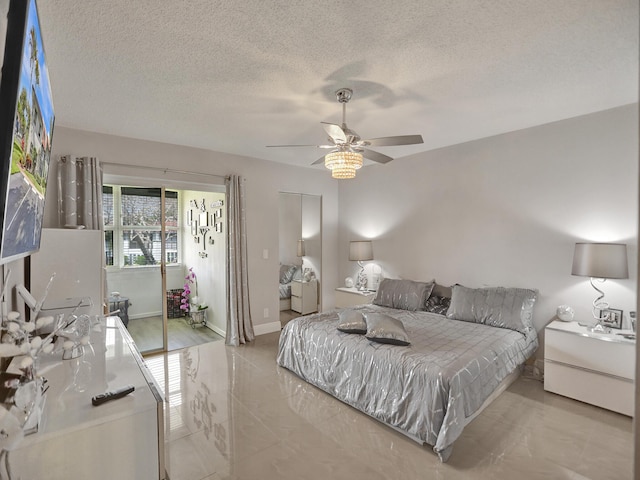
(431, 388)
(288, 273)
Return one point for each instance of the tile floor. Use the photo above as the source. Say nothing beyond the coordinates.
(234, 414)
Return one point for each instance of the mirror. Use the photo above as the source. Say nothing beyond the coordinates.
(300, 254)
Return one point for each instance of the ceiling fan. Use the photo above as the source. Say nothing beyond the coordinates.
(348, 148)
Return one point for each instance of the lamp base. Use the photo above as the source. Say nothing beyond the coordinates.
(599, 328)
(361, 282)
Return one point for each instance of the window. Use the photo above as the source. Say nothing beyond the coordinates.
(132, 217)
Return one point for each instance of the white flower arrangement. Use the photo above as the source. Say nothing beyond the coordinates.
(19, 341)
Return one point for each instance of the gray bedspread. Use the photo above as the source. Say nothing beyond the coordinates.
(285, 290)
(426, 389)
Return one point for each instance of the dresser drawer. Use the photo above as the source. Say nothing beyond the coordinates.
(296, 304)
(612, 393)
(612, 358)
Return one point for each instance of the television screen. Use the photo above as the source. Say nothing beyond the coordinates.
(26, 128)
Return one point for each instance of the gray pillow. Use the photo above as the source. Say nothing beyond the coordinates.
(382, 328)
(286, 273)
(510, 308)
(352, 321)
(403, 294)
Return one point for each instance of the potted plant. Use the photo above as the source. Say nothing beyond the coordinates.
(190, 302)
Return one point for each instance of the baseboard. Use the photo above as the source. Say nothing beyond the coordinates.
(265, 328)
(217, 330)
(145, 315)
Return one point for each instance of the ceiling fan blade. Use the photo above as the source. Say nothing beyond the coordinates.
(398, 140)
(319, 161)
(335, 132)
(376, 156)
(316, 146)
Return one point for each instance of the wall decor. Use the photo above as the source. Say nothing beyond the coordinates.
(204, 231)
(217, 204)
(26, 131)
(219, 227)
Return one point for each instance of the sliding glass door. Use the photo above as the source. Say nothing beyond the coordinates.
(141, 239)
(165, 251)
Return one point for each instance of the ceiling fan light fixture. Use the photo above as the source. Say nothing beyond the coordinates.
(343, 164)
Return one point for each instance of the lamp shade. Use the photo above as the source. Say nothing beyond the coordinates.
(600, 260)
(362, 250)
(301, 249)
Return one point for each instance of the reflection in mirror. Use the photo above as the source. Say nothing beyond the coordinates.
(300, 254)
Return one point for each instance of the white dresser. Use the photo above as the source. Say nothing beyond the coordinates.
(350, 297)
(122, 438)
(595, 368)
(304, 296)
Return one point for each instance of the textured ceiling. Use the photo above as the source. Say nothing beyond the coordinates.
(237, 75)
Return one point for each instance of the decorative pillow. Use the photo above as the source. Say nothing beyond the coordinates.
(403, 294)
(499, 307)
(382, 328)
(352, 321)
(286, 273)
(437, 304)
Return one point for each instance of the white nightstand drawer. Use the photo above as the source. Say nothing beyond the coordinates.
(604, 391)
(296, 304)
(296, 289)
(612, 358)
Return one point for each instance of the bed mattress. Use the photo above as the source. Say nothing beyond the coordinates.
(427, 389)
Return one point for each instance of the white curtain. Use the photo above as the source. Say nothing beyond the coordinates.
(239, 324)
(80, 192)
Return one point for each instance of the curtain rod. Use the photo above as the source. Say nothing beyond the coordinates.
(170, 170)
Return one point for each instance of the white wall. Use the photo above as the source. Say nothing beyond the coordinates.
(505, 210)
(210, 270)
(263, 182)
(143, 287)
(290, 229)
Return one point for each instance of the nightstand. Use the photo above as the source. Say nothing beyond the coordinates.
(350, 297)
(596, 368)
(304, 296)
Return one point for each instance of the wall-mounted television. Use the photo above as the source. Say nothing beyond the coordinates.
(26, 130)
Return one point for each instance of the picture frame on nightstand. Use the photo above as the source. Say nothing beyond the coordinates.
(611, 317)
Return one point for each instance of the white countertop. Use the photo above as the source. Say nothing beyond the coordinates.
(109, 362)
(577, 329)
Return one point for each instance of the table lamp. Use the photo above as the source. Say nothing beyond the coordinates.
(360, 251)
(600, 261)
